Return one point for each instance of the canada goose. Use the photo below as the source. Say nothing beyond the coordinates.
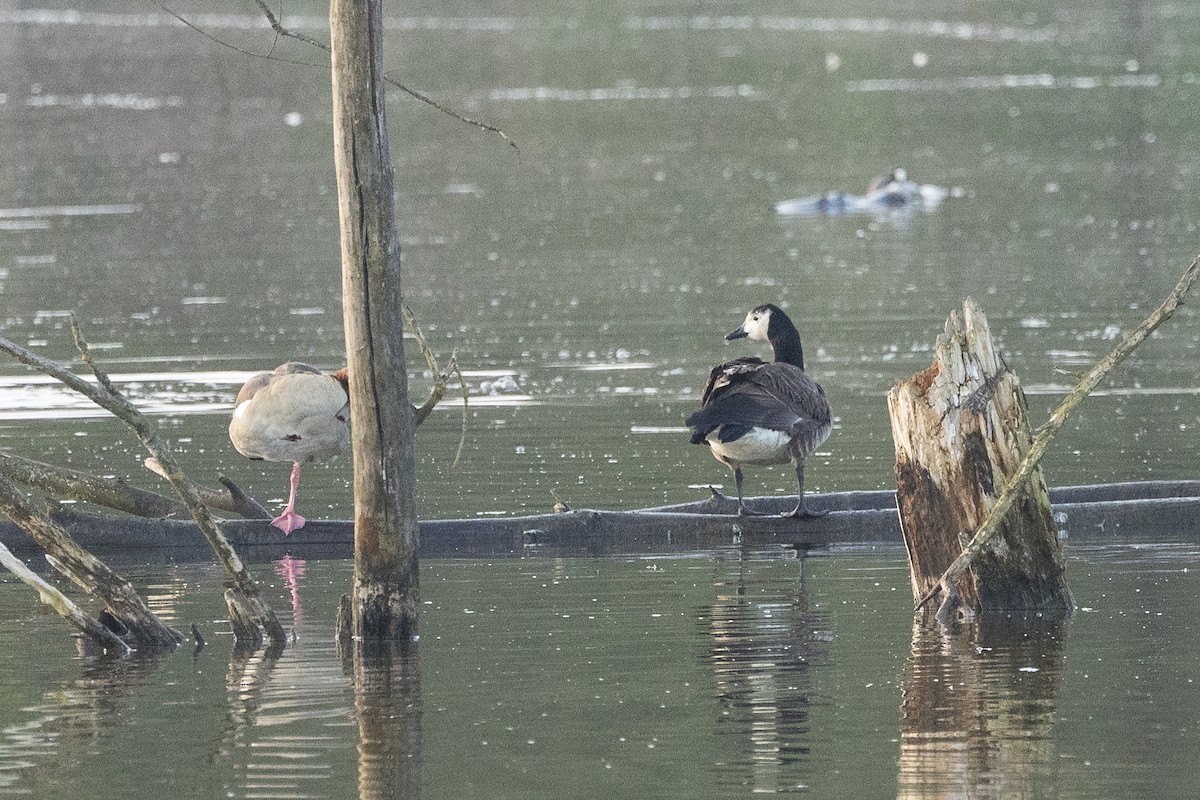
(295, 413)
(885, 194)
(755, 412)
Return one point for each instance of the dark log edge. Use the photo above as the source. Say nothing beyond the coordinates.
(1135, 512)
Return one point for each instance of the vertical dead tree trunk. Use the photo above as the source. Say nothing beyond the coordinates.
(383, 605)
(961, 429)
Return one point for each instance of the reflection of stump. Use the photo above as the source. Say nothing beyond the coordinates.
(961, 428)
(978, 709)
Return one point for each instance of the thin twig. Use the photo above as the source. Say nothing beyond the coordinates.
(215, 40)
(462, 386)
(277, 26)
(441, 379)
(1012, 490)
(86, 353)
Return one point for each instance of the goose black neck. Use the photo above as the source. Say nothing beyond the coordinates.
(785, 340)
(789, 351)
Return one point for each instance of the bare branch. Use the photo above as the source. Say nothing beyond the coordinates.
(269, 55)
(120, 599)
(441, 380)
(281, 31)
(121, 408)
(88, 625)
(233, 499)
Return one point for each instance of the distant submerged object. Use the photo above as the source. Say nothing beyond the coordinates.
(887, 193)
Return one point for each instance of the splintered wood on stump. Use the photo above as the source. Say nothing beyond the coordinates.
(961, 428)
(383, 605)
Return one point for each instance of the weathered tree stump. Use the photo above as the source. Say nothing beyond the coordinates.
(961, 429)
(384, 602)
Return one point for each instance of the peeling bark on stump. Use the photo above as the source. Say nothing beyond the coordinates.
(961, 428)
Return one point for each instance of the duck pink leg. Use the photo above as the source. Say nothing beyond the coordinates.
(289, 520)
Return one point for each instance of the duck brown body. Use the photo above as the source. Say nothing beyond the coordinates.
(294, 413)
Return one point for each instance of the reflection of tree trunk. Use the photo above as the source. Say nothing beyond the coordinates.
(978, 707)
(763, 642)
(387, 699)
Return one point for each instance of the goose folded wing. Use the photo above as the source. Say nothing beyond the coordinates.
(749, 409)
(730, 373)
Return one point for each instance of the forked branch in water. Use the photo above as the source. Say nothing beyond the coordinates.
(441, 379)
(105, 396)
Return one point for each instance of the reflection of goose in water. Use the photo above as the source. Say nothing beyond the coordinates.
(765, 638)
(890, 192)
(292, 571)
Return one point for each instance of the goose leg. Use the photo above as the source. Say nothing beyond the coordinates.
(743, 509)
(289, 520)
(800, 511)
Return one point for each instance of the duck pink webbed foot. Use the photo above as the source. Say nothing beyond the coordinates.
(289, 520)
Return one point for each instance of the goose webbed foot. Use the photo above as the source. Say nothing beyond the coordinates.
(802, 511)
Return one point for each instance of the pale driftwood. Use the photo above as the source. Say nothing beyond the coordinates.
(118, 495)
(232, 499)
(103, 396)
(384, 598)
(88, 572)
(111, 493)
(63, 606)
(961, 428)
(1029, 465)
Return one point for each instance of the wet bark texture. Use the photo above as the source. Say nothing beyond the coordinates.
(384, 600)
(961, 428)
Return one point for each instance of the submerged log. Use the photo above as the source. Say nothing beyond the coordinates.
(961, 429)
(1141, 511)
